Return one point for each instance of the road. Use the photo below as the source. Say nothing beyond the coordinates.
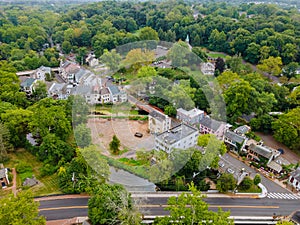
(74, 207)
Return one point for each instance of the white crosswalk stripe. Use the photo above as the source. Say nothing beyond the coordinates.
(283, 195)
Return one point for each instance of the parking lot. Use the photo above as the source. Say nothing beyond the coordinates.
(104, 129)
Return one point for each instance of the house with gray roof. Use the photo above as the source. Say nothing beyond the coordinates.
(182, 136)
(4, 181)
(104, 95)
(294, 179)
(235, 141)
(116, 95)
(191, 117)
(242, 130)
(60, 91)
(158, 122)
(40, 73)
(67, 70)
(28, 85)
(255, 151)
(211, 126)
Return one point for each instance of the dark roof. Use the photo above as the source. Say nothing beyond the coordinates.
(158, 115)
(28, 82)
(177, 133)
(296, 174)
(296, 217)
(2, 173)
(104, 91)
(210, 123)
(275, 166)
(114, 89)
(234, 136)
(261, 150)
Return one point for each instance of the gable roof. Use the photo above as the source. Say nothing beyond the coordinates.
(114, 90)
(2, 173)
(234, 136)
(104, 91)
(262, 150)
(242, 129)
(275, 166)
(190, 113)
(210, 123)
(28, 82)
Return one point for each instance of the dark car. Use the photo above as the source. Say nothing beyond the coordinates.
(281, 151)
(139, 135)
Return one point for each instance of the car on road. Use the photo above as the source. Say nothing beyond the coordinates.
(230, 171)
(139, 135)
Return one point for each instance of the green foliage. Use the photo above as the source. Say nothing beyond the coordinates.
(5, 145)
(111, 59)
(189, 208)
(246, 183)
(226, 182)
(112, 204)
(286, 128)
(257, 179)
(82, 135)
(21, 209)
(271, 65)
(114, 145)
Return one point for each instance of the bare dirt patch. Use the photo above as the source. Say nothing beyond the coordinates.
(104, 129)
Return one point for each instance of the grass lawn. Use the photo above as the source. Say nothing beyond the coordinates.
(48, 184)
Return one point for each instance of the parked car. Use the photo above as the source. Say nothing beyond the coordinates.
(139, 135)
(281, 151)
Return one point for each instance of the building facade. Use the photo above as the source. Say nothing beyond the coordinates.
(158, 122)
(191, 117)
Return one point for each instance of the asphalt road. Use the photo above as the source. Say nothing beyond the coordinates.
(74, 207)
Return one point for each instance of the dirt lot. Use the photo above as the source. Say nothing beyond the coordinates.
(104, 129)
(270, 141)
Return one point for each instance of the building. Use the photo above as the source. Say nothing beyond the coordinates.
(207, 68)
(67, 71)
(28, 85)
(235, 141)
(60, 91)
(242, 130)
(104, 95)
(190, 117)
(116, 95)
(211, 126)
(40, 73)
(182, 136)
(91, 60)
(294, 179)
(256, 151)
(158, 122)
(4, 178)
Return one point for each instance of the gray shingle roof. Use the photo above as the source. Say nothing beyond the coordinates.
(234, 137)
(28, 82)
(210, 123)
(177, 133)
(2, 173)
(157, 115)
(296, 174)
(261, 150)
(242, 129)
(275, 166)
(114, 90)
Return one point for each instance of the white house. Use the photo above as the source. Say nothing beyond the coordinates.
(182, 136)
(91, 60)
(28, 85)
(158, 122)
(294, 179)
(207, 68)
(236, 141)
(191, 117)
(104, 95)
(4, 181)
(40, 73)
(67, 71)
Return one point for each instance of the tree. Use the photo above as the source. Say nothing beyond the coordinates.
(284, 223)
(290, 70)
(257, 179)
(39, 90)
(226, 182)
(246, 183)
(20, 209)
(271, 65)
(220, 65)
(112, 204)
(114, 145)
(146, 71)
(147, 33)
(177, 54)
(286, 128)
(111, 59)
(82, 135)
(137, 57)
(5, 145)
(189, 208)
(66, 47)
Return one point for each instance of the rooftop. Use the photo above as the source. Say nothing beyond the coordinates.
(275, 166)
(242, 129)
(158, 115)
(2, 173)
(114, 89)
(210, 123)
(190, 113)
(234, 137)
(177, 133)
(28, 82)
(263, 150)
(296, 174)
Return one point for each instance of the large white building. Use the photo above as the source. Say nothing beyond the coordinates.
(191, 117)
(182, 136)
(294, 179)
